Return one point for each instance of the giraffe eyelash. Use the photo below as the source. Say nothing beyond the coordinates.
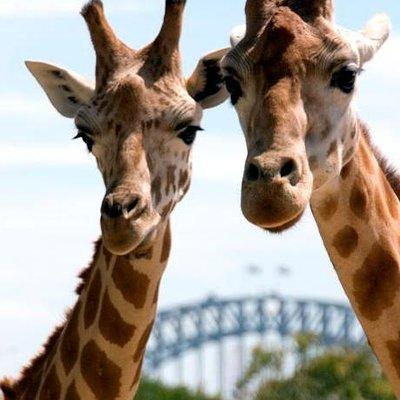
(87, 139)
(188, 134)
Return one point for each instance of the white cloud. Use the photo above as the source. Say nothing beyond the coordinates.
(35, 8)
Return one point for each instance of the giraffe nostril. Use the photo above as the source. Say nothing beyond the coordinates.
(111, 210)
(288, 168)
(132, 205)
(252, 173)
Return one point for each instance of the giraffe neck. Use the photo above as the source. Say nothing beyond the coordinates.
(100, 349)
(358, 218)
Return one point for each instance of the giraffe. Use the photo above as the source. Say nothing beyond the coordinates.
(292, 75)
(139, 120)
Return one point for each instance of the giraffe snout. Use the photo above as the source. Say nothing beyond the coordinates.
(276, 189)
(127, 220)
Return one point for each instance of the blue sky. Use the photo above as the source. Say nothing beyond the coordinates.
(51, 190)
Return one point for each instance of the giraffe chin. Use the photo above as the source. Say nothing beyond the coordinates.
(122, 237)
(274, 215)
(286, 226)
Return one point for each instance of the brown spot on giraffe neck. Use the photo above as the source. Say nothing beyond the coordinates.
(51, 388)
(72, 392)
(101, 374)
(346, 241)
(132, 284)
(141, 346)
(359, 201)
(92, 300)
(166, 248)
(328, 207)
(112, 326)
(376, 283)
(69, 349)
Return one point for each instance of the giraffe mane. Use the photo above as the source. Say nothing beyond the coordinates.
(31, 373)
(390, 171)
(7, 388)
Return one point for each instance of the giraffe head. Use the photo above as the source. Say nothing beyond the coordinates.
(139, 120)
(292, 76)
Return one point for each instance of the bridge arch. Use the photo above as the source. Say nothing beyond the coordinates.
(189, 327)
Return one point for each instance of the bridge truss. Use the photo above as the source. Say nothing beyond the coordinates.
(189, 328)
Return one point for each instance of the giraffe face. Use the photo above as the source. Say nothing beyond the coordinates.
(292, 80)
(141, 134)
(139, 120)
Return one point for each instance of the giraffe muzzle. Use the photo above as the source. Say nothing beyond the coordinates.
(127, 221)
(276, 190)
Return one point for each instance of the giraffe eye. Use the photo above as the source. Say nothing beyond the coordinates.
(345, 78)
(188, 135)
(86, 139)
(234, 89)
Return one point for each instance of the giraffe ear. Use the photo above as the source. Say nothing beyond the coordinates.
(66, 90)
(237, 34)
(206, 84)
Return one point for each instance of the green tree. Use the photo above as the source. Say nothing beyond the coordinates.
(152, 390)
(338, 374)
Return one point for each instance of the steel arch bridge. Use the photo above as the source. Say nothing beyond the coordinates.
(185, 328)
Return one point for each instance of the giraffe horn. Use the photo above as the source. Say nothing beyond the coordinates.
(258, 12)
(106, 43)
(311, 9)
(171, 29)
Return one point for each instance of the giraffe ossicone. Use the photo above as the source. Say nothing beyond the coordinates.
(292, 75)
(139, 119)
